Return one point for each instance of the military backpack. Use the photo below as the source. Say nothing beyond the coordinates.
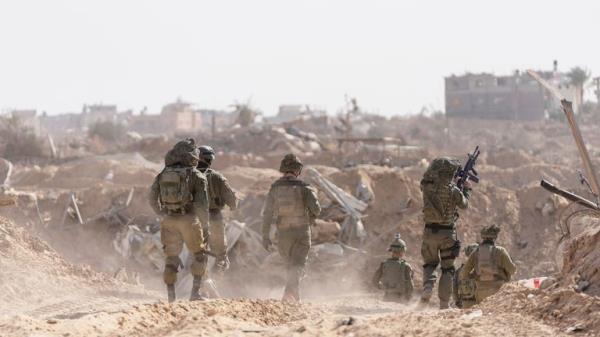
(175, 188)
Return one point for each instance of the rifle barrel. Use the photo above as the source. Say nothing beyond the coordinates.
(568, 195)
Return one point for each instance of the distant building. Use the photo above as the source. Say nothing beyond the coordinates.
(296, 112)
(513, 97)
(181, 116)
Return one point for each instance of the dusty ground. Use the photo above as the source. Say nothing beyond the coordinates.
(57, 278)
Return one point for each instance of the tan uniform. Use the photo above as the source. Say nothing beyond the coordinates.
(219, 195)
(464, 289)
(182, 227)
(292, 205)
(492, 266)
(395, 277)
(440, 242)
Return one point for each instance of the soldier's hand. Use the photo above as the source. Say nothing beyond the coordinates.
(267, 244)
(467, 185)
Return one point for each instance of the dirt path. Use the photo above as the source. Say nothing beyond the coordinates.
(345, 316)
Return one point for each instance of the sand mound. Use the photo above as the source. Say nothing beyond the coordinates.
(561, 307)
(213, 318)
(582, 260)
(35, 276)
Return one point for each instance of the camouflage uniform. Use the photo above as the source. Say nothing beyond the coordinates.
(219, 195)
(394, 275)
(182, 222)
(464, 288)
(293, 206)
(441, 199)
(491, 265)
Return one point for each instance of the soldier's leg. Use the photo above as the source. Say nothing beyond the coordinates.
(450, 248)
(191, 230)
(431, 259)
(296, 268)
(172, 242)
(218, 239)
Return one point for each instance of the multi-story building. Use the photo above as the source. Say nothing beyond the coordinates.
(513, 97)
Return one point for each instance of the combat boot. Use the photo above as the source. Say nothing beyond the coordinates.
(195, 295)
(171, 293)
(444, 305)
(426, 296)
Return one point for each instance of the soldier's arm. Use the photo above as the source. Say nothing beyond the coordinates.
(227, 193)
(312, 202)
(154, 195)
(461, 198)
(200, 193)
(507, 264)
(409, 281)
(469, 265)
(377, 276)
(268, 214)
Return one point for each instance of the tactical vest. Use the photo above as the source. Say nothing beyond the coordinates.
(439, 208)
(175, 189)
(487, 266)
(394, 275)
(290, 210)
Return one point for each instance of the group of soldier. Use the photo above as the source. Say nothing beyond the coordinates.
(190, 197)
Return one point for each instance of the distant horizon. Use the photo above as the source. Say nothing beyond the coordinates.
(392, 56)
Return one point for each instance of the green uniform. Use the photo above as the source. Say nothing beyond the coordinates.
(219, 195)
(492, 267)
(292, 205)
(440, 246)
(182, 224)
(464, 289)
(395, 277)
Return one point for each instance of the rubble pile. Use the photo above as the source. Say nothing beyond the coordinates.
(573, 312)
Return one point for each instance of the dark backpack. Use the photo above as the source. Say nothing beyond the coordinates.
(175, 188)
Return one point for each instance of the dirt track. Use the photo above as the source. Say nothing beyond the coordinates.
(346, 316)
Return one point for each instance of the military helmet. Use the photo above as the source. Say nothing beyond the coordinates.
(290, 163)
(184, 152)
(207, 153)
(490, 232)
(398, 245)
(470, 249)
(443, 167)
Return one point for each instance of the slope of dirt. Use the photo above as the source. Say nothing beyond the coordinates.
(562, 307)
(36, 281)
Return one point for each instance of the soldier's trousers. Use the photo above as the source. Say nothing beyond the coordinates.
(217, 239)
(486, 289)
(174, 232)
(440, 247)
(399, 297)
(294, 245)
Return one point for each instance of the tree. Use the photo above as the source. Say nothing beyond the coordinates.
(18, 141)
(578, 77)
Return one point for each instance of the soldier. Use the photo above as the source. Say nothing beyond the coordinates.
(293, 206)
(441, 199)
(179, 194)
(464, 288)
(219, 195)
(394, 275)
(491, 264)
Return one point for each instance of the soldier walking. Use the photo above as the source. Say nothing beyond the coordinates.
(441, 199)
(491, 264)
(293, 206)
(395, 275)
(220, 194)
(179, 195)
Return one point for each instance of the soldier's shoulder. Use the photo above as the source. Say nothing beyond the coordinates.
(502, 250)
(198, 174)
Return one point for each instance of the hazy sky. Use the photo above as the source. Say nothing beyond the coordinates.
(57, 55)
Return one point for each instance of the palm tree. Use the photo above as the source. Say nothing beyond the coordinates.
(578, 77)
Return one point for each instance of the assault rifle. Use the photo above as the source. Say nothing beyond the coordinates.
(468, 171)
